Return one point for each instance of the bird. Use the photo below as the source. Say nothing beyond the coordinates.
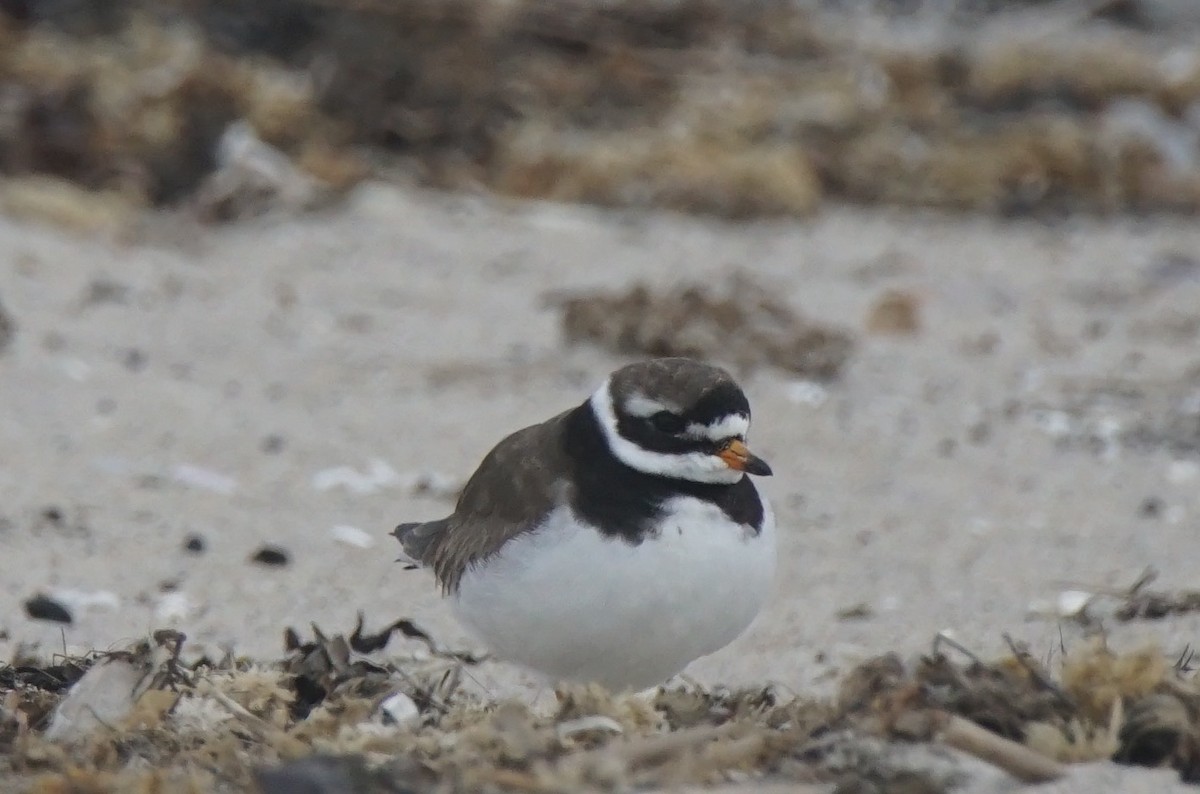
(616, 542)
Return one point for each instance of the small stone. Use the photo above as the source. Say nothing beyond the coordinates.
(1151, 507)
(104, 696)
(42, 607)
(270, 555)
(399, 709)
(194, 543)
(1072, 603)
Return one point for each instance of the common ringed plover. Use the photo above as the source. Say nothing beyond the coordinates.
(617, 541)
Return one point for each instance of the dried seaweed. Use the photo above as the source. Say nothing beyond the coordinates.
(1157, 604)
(316, 719)
(740, 321)
(732, 109)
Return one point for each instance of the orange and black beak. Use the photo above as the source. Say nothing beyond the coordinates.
(737, 456)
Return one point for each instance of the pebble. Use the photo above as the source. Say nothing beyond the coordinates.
(352, 536)
(270, 555)
(399, 709)
(42, 607)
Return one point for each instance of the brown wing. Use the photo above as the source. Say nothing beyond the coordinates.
(520, 479)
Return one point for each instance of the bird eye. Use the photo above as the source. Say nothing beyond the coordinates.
(666, 422)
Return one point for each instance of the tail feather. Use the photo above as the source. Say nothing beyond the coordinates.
(417, 540)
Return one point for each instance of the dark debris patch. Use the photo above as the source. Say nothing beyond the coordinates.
(1139, 602)
(274, 556)
(1157, 604)
(52, 678)
(742, 322)
(43, 607)
(322, 666)
(369, 643)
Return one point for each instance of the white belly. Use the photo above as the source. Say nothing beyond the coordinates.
(574, 605)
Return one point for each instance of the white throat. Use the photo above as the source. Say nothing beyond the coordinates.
(693, 466)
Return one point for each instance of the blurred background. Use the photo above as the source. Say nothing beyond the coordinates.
(733, 109)
(275, 274)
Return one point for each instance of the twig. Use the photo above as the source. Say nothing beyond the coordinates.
(943, 638)
(288, 746)
(1184, 663)
(1024, 764)
(1039, 677)
(1147, 576)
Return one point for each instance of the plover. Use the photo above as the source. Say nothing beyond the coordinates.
(618, 541)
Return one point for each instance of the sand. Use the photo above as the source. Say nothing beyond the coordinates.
(176, 379)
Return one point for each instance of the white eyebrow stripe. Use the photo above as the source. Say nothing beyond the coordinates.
(641, 406)
(693, 466)
(725, 427)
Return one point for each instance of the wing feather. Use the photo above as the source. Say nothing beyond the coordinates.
(520, 479)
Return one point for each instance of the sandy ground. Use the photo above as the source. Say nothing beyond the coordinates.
(936, 482)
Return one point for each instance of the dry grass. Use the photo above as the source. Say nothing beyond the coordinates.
(728, 109)
(233, 724)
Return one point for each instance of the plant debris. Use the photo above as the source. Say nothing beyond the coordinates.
(741, 322)
(740, 109)
(1141, 603)
(328, 718)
